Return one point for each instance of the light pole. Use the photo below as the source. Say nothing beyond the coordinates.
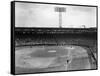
(60, 10)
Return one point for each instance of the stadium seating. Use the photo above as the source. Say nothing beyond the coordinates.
(57, 40)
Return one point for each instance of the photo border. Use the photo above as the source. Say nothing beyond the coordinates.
(13, 35)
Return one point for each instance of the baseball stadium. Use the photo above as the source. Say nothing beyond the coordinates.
(55, 49)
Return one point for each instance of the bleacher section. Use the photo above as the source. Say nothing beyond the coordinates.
(55, 36)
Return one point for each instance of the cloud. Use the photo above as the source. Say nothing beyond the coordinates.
(44, 15)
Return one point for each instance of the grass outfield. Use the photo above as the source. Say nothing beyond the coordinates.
(50, 58)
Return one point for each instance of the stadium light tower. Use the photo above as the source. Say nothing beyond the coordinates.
(60, 10)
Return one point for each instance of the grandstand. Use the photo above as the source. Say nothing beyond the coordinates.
(55, 36)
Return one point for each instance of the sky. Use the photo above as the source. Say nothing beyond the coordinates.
(44, 15)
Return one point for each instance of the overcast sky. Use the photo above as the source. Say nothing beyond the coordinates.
(44, 15)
